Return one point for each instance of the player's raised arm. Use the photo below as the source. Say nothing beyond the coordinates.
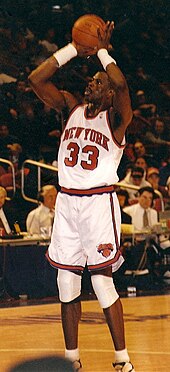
(41, 84)
(122, 102)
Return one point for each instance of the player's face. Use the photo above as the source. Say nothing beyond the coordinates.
(97, 88)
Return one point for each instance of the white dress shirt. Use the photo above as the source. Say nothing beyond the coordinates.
(39, 218)
(136, 212)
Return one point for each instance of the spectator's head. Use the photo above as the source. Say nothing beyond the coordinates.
(137, 174)
(153, 177)
(123, 197)
(140, 97)
(146, 196)
(15, 149)
(139, 149)
(141, 162)
(48, 196)
(159, 126)
(3, 195)
(4, 130)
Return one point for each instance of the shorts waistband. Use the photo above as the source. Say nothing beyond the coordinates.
(89, 192)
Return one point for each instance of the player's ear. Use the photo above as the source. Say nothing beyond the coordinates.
(110, 93)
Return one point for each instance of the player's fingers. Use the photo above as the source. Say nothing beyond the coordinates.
(109, 29)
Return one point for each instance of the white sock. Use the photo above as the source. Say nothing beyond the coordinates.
(72, 354)
(121, 356)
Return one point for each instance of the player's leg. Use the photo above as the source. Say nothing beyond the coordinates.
(71, 314)
(69, 285)
(110, 302)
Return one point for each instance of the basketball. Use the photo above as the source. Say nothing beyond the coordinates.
(84, 31)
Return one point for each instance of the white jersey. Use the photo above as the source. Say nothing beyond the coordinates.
(89, 155)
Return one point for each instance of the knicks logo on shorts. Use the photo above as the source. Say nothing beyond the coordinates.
(105, 249)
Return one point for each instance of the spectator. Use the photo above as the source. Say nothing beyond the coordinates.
(158, 137)
(164, 171)
(49, 41)
(134, 178)
(139, 149)
(158, 133)
(7, 219)
(6, 139)
(141, 162)
(153, 178)
(15, 155)
(144, 108)
(123, 197)
(142, 213)
(42, 217)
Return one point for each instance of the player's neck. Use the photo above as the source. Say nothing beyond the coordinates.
(94, 109)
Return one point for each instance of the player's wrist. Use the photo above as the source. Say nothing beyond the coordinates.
(65, 54)
(105, 58)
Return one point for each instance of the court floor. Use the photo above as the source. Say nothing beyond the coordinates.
(35, 330)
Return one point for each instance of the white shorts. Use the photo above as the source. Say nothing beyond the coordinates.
(86, 230)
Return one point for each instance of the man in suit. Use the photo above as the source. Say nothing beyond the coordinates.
(143, 215)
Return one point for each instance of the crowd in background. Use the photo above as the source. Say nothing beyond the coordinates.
(30, 32)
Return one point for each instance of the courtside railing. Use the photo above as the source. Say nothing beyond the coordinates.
(39, 166)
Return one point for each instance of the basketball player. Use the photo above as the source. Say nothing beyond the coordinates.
(87, 221)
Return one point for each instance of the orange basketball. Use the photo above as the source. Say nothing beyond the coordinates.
(84, 31)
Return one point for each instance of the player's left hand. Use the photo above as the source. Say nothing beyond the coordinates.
(104, 40)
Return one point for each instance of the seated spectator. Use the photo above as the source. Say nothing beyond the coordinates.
(139, 149)
(158, 138)
(164, 171)
(134, 178)
(43, 216)
(15, 155)
(6, 139)
(142, 213)
(141, 162)
(157, 133)
(145, 82)
(153, 178)
(7, 219)
(143, 107)
(123, 197)
(49, 41)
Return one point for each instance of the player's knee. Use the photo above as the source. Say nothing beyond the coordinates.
(69, 285)
(105, 290)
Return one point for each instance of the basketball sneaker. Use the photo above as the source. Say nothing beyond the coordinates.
(77, 366)
(123, 367)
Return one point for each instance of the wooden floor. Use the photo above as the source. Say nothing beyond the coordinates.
(33, 331)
